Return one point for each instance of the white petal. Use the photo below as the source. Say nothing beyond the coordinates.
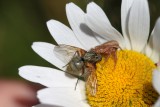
(47, 76)
(139, 23)
(62, 34)
(156, 36)
(155, 56)
(149, 46)
(76, 19)
(155, 41)
(157, 104)
(45, 105)
(99, 23)
(45, 50)
(66, 97)
(99, 38)
(125, 9)
(156, 80)
(96, 11)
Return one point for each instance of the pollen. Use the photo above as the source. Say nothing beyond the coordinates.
(126, 83)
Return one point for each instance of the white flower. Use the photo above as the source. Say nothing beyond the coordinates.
(135, 26)
(156, 84)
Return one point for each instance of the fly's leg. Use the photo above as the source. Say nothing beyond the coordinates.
(80, 77)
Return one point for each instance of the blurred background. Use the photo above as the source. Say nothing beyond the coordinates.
(23, 22)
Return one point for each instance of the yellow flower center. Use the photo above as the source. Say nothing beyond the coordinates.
(124, 84)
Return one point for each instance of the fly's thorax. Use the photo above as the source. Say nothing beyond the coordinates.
(76, 64)
(92, 57)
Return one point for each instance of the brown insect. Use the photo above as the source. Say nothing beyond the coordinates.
(80, 63)
(108, 49)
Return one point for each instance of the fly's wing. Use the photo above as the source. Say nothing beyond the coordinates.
(66, 52)
(91, 79)
(91, 83)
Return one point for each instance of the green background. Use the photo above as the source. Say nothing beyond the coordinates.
(23, 22)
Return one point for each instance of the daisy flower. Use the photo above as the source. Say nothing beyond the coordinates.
(128, 83)
(156, 84)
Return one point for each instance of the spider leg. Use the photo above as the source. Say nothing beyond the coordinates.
(107, 55)
(114, 54)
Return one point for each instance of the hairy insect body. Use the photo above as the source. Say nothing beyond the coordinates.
(83, 63)
(91, 57)
(76, 63)
(107, 49)
(80, 63)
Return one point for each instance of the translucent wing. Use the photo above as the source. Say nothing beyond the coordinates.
(91, 83)
(66, 52)
(91, 79)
